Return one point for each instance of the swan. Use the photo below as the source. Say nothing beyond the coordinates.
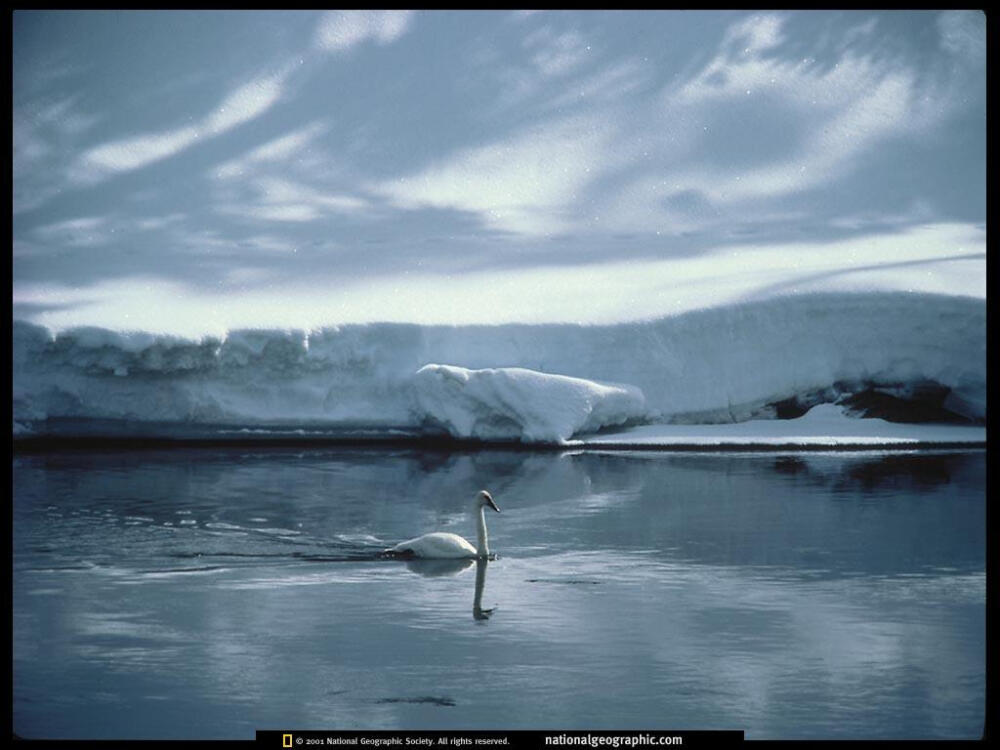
(443, 544)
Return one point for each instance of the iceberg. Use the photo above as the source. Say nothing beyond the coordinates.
(756, 360)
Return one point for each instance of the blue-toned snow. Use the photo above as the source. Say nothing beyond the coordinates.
(533, 383)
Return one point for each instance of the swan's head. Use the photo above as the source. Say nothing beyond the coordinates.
(486, 499)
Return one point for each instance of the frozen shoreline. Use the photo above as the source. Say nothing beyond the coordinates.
(824, 426)
(762, 361)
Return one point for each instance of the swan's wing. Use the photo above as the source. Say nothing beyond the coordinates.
(440, 544)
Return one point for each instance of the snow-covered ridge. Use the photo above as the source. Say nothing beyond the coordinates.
(539, 382)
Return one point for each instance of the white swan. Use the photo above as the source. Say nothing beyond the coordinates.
(443, 544)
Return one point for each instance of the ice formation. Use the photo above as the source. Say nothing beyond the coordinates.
(515, 403)
(826, 425)
(524, 382)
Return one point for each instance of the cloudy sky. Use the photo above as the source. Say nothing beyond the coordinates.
(197, 171)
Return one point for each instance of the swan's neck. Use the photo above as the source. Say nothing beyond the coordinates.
(482, 546)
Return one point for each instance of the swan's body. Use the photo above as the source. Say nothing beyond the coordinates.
(445, 545)
(439, 545)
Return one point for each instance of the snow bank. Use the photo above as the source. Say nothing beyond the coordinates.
(726, 364)
(826, 425)
(515, 403)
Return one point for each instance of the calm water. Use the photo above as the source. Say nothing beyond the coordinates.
(209, 593)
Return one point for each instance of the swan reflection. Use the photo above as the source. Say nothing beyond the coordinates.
(439, 568)
(478, 613)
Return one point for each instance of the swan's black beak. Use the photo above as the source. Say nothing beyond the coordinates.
(489, 501)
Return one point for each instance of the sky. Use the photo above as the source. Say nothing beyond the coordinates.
(192, 172)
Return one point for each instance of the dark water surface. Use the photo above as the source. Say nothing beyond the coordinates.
(208, 593)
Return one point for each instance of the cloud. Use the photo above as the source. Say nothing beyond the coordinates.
(547, 58)
(30, 147)
(244, 104)
(280, 199)
(287, 145)
(963, 34)
(156, 223)
(58, 115)
(86, 231)
(341, 30)
(520, 133)
(804, 125)
(556, 54)
(43, 130)
(786, 125)
(258, 185)
(526, 184)
(281, 212)
(124, 155)
(756, 33)
(945, 258)
(277, 150)
(826, 153)
(618, 80)
(131, 153)
(739, 69)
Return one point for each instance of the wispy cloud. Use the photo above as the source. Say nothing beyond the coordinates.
(30, 147)
(341, 30)
(525, 184)
(619, 79)
(827, 152)
(85, 231)
(131, 153)
(156, 223)
(268, 183)
(934, 258)
(556, 54)
(275, 151)
(279, 199)
(756, 33)
(545, 60)
(637, 135)
(812, 125)
(242, 105)
(963, 34)
(826, 117)
(807, 126)
(43, 130)
(523, 15)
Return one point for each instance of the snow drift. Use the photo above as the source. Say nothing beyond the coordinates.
(534, 382)
(824, 425)
(506, 403)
